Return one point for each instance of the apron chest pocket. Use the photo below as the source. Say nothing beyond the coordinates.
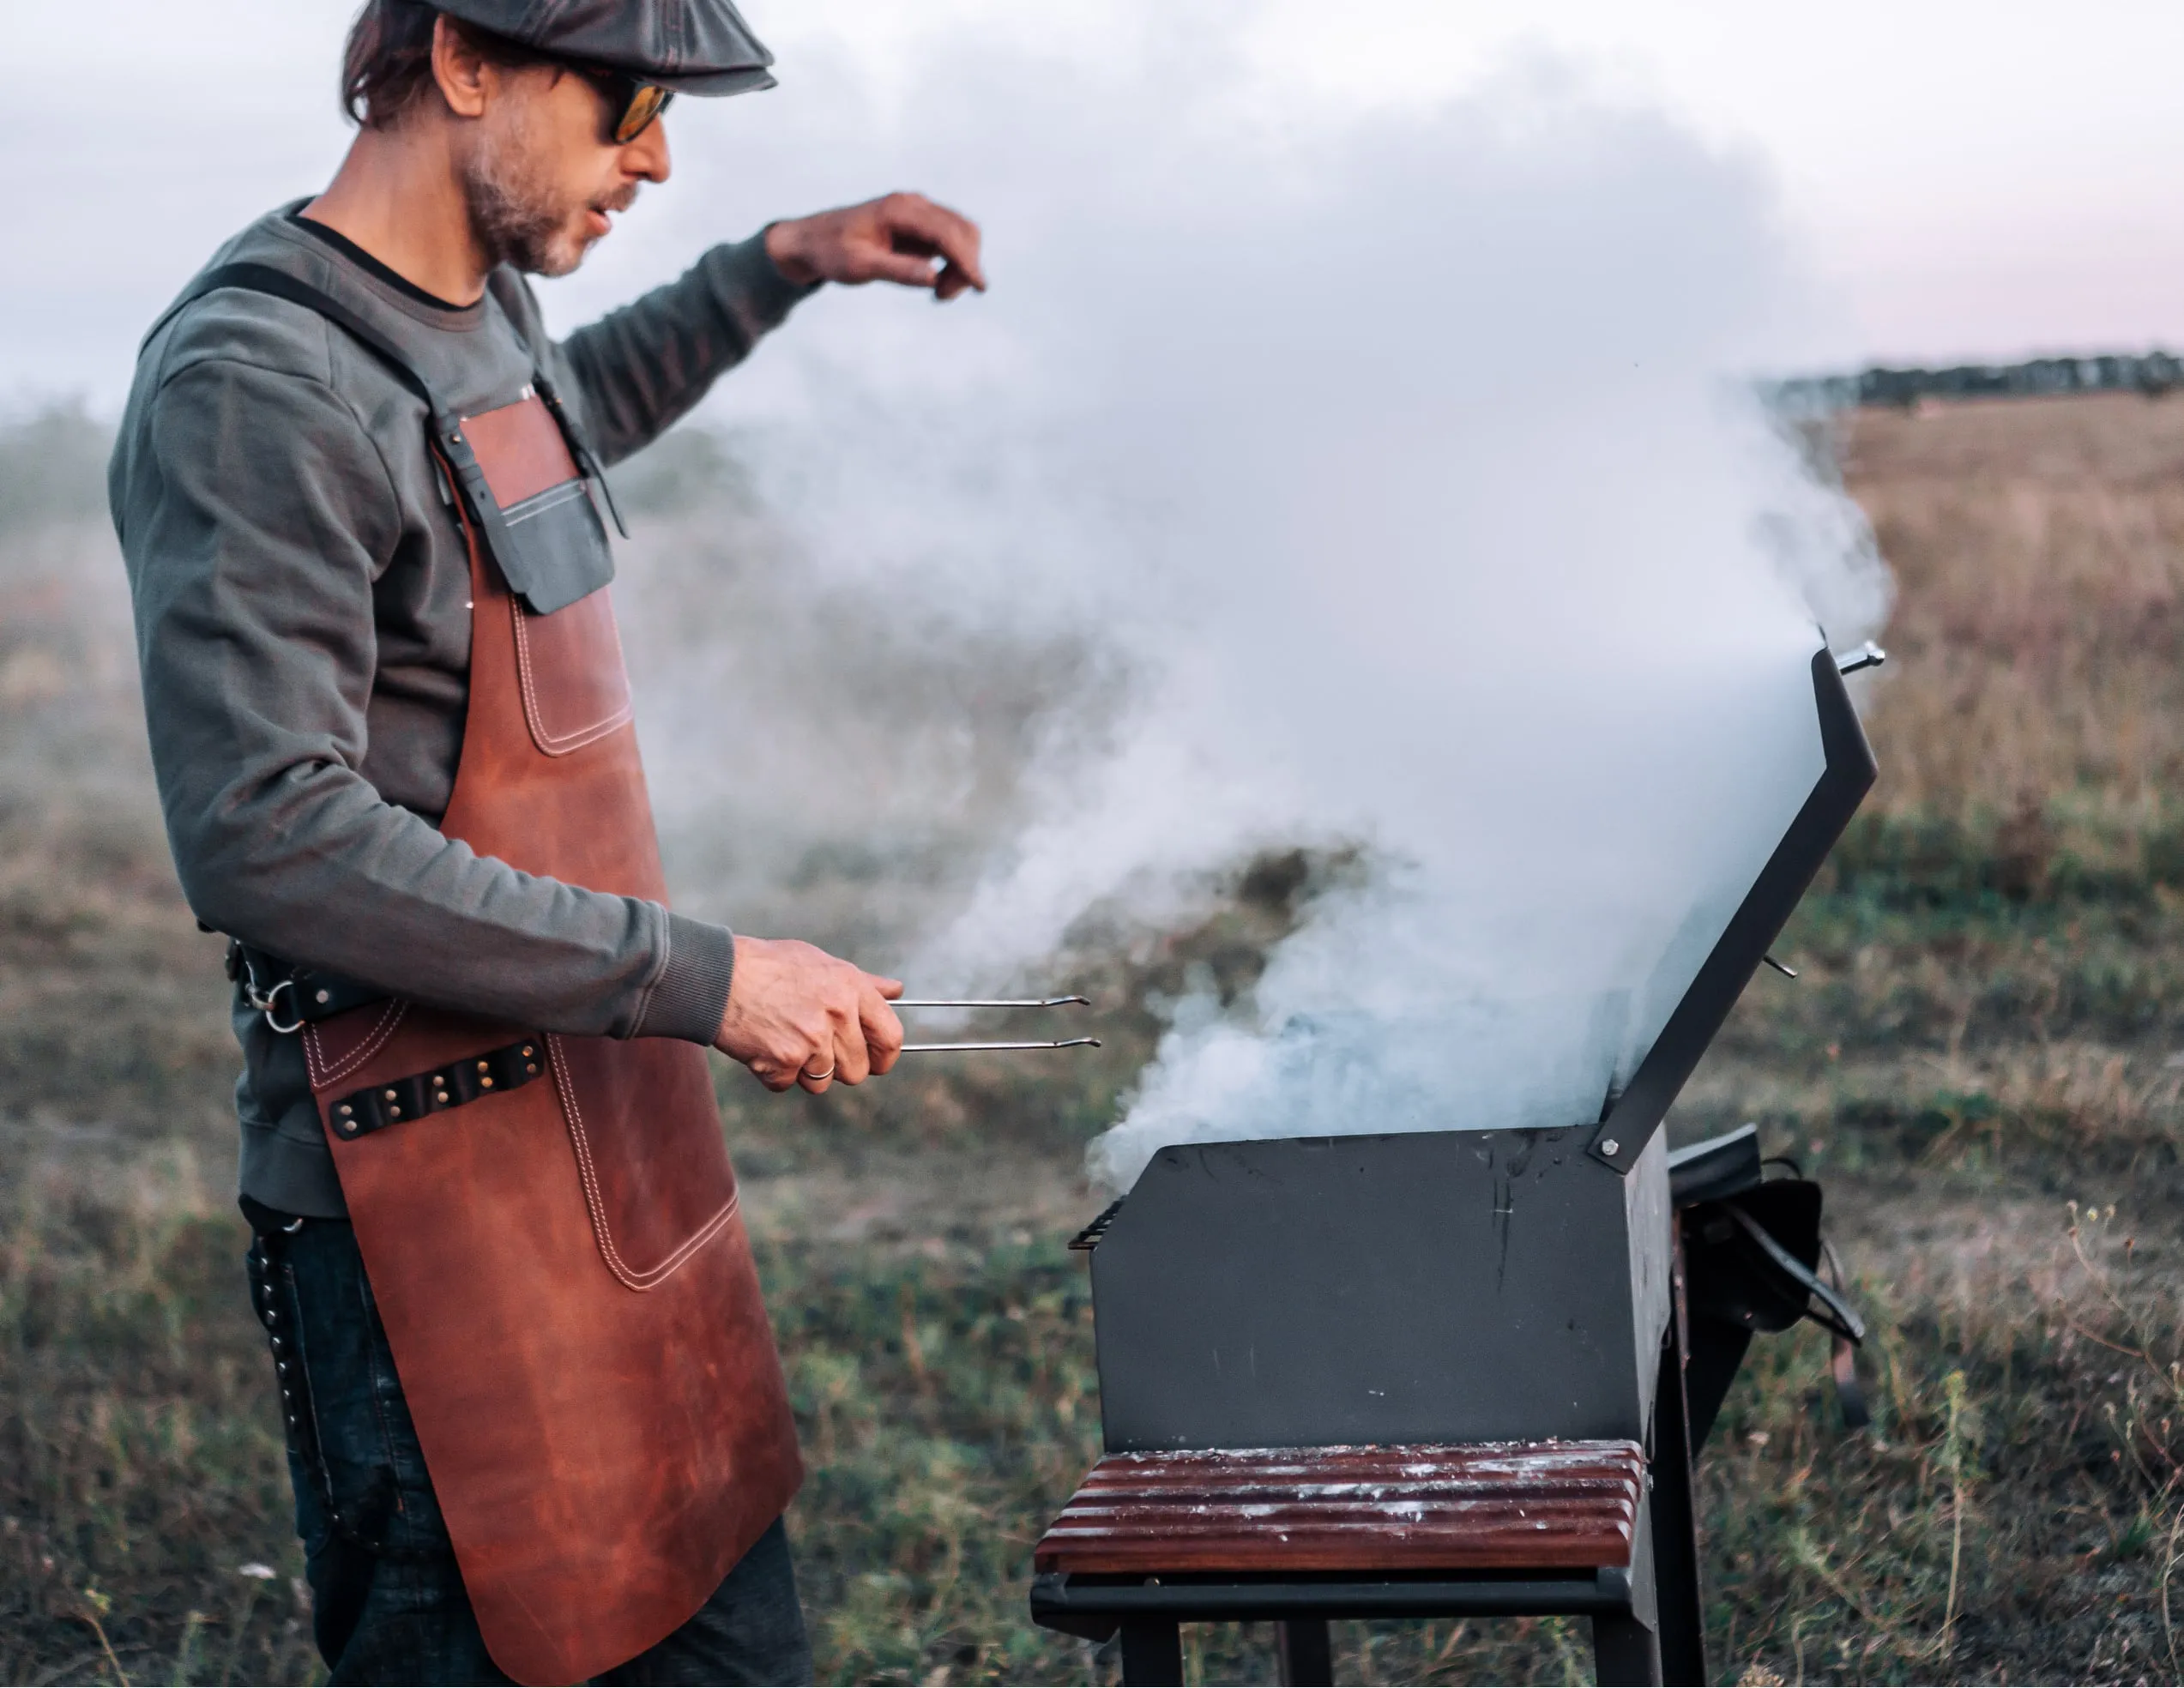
(556, 549)
(542, 527)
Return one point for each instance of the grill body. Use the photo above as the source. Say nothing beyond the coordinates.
(1451, 1286)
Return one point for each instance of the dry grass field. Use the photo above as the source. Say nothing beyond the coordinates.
(1984, 1061)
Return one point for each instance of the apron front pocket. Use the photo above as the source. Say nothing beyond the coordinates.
(576, 687)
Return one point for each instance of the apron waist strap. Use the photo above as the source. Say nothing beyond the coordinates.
(290, 995)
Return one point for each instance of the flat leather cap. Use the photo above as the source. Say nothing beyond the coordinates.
(693, 46)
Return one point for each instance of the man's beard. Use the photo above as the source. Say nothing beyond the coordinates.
(519, 219)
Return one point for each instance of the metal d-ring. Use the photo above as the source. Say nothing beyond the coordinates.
(264, 1001)
(264, 1004)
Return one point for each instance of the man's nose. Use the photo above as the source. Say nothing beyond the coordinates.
(647, 158)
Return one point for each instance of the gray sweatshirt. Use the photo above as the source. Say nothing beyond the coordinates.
(303, 621)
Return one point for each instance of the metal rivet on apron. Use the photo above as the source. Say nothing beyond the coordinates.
(326, 996)
(441, 1097)
(483, 1068)
(485, 1084)
(390, 1096)
(527, 1049)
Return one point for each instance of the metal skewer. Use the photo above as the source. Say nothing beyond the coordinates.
(1011, 1043)
(1028, 1002)
(957, 1048)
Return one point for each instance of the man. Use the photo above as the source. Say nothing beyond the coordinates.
(537, 1427)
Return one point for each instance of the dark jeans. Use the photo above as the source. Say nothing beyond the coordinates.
(388, 1601)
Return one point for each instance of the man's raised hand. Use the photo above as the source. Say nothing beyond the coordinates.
(797, 1016)
(903, 238)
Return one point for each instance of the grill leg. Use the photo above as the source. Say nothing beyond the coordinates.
(1152, 1653)
(1625, 1653)
(1675, 1521)
(1307, 1653)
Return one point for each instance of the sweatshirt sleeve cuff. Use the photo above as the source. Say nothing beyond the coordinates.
(693, 993)
(749, 287)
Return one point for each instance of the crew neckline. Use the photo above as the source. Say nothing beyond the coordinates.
(371, 266)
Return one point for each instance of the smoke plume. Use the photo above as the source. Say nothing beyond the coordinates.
(1386, 482)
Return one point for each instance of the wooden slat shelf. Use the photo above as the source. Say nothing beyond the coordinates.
(1514, 1506)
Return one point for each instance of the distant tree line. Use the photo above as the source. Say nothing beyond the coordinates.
(2152, 373)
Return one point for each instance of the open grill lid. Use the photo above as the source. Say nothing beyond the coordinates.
(1633, 1113)
(1632, 1117)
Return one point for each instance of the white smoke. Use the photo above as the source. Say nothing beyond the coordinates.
(1401, 465)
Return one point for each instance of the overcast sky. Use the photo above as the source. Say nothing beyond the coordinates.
(1962, 179)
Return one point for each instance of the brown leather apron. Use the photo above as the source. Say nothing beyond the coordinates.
(550, 1223)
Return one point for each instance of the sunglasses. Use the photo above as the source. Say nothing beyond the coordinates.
(632, 106)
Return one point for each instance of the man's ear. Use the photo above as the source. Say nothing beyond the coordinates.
(459, 69)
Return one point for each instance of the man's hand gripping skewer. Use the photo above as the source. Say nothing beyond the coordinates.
(797, 1016)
